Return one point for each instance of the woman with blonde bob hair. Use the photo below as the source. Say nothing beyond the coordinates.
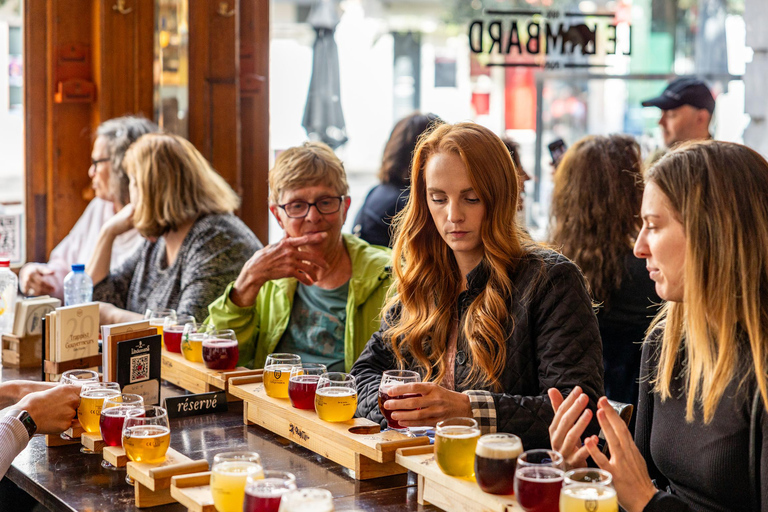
(194, 244)
(487, 318)
(704, 386)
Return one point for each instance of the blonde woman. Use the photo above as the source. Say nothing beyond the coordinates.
(701, 433)
(194, 244)
(488, 319)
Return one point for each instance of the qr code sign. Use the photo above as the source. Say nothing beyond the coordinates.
(139, 368)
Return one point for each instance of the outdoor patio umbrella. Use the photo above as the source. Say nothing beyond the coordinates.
(323, 118)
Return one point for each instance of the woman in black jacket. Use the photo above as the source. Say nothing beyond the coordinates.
(701, 441)
(489, 319)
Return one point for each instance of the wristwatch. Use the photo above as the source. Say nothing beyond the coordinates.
(25, 419)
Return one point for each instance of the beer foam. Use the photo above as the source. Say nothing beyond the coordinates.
(220, 343)
(589, 492)
(499, 449)
(336, 391)
(458, 432)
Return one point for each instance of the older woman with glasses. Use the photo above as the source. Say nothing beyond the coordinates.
(316, 293)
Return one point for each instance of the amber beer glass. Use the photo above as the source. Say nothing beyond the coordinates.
(455, 443)
(336, 397)
(147, 438)
(277, 373)
(157, 318)
(92, 396)
(496, 461)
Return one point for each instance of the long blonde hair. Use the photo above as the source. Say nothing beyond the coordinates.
(718, 190)
(175, 184)
(427, 277)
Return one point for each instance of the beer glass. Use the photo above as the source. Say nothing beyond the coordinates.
(146, 438)
(303, 384)
(173, 328)
(79, 377)
(228, 475)
(277, 373)
(336, 397)
(392, 378)
(588, 476)
(264, 494)
(192, 341)
(92, 396)
(496, 461)
(538, 480)
(113, 413)
(157, 317)
(455, 443)
(307, 500)
(588, 497)
(220, 350)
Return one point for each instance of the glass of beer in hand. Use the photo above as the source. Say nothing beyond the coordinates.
(303, 384)
(220, 350)
(455, 442)
(277, 373)
(228, 476)
(538, 480)
(113, 414)
(336, 397)
(303, 500)
(496, 461)
(392, 378)
(264, 494)
(173, 329)
(92, 396)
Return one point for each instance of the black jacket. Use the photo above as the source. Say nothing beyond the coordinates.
(373, 222)
(553, 341)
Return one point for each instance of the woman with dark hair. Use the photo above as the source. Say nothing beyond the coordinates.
(384, 201)
(487, 318)
(701, 441)
(597, 193)
(110, 184)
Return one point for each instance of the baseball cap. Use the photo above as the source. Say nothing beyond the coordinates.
(684, 91)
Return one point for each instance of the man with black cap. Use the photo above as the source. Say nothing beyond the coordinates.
(686, 110)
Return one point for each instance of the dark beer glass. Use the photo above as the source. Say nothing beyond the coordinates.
(496, 461)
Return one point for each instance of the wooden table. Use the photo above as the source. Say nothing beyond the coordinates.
(63, 479)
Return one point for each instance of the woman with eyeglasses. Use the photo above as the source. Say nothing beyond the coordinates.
(110, 186)
(193, 244)
(317, 293)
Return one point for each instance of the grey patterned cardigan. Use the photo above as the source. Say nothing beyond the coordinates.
(211, 256)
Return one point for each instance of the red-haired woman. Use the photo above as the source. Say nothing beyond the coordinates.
(488, 318)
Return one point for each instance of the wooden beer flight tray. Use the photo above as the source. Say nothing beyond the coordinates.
(193, 491)
(449, 492)
(153, 481)
(369, 453)
(195, 377)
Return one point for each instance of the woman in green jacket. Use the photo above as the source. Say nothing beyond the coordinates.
(316, 293)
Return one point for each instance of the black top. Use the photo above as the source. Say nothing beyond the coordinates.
(704, 467)
(622, 328)
(374, 220)
(553, 341)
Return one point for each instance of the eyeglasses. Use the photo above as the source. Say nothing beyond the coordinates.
(96, 163)
(324, 205)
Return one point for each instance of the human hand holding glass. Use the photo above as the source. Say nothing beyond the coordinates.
(429, 404)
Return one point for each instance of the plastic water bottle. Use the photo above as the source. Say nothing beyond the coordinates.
(9, 283)
(78, 287)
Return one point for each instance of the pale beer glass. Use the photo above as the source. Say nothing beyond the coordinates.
(588, 497)
(229, 473)
(192, 340)
(307, 500)
(336, 397)
(78, 378)
(277, 373)
(92, 396)
(455, 443)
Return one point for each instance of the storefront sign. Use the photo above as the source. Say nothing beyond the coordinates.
(549, 39)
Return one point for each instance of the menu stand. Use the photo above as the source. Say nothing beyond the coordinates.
(115, 455)
(196, 378)
(153, 481)
(193, 491)
(449, 492)
(357, 444)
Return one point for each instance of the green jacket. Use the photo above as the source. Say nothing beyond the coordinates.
(260, 327)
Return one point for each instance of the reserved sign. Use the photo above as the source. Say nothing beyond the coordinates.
(196, 405)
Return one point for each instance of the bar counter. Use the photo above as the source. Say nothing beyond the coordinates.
(63, 479)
